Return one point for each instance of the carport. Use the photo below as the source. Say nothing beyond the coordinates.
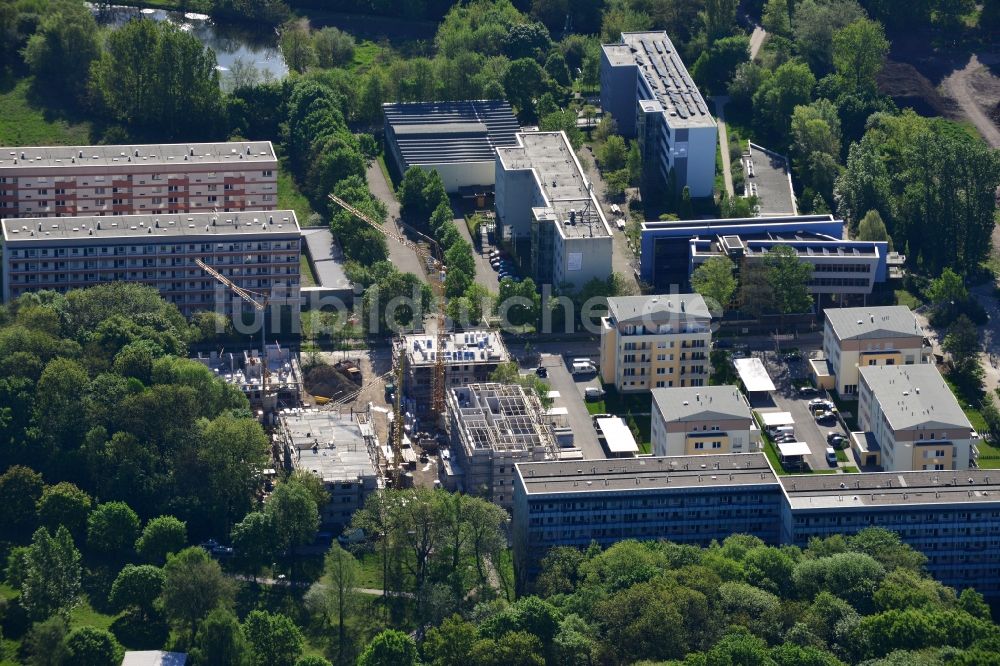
(793, 453)
(754, 375)
(617, 437)
(772, 420)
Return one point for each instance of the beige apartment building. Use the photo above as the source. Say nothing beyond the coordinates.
(59, 181)
(914, 419)
(258, 250)
(701, 420)
(658, 341)
(861, 337)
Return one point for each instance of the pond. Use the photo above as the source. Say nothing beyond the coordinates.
(231, 43)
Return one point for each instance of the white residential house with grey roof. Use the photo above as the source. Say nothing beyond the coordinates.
(647, 90)
(915, 420)
(701, 420)
(658, 341)
(861, 337)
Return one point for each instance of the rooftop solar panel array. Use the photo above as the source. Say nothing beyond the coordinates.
(450, 132)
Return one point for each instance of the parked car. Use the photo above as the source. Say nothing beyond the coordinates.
(807, 390)
(792, 356)
(593, 393)
(831, 457)
(832, 437)
(825, 417)
(542, 372)
(583, 368)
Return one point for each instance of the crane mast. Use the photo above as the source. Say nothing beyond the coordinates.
(259, 305)
(436, 260)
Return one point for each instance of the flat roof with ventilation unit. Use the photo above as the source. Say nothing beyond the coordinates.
(158, 226)
(132, 156)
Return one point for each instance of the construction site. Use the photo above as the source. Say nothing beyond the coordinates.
(492, 427)
(247, 371)
(338, 447)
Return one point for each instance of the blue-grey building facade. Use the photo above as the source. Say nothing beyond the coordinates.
(952, 518)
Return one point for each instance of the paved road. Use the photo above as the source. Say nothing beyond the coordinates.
(720, 117)
(756, 40)
(405, 259)
(571, 392)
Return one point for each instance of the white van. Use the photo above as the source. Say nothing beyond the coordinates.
(620, 224)
(583, 367)
(784, 430)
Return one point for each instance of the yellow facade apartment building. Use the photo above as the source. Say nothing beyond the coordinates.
(660, 341)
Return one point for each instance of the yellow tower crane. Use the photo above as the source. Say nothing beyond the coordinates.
(435, 258)
(259, 303)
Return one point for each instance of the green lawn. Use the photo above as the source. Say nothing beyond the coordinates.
(25, 123)
(290, 198)
(850, 469)
(846, 407)
(364, 54)
(305, 272)
(841, 455)
(904, 297)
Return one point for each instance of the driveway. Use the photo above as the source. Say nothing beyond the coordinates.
(571, 397)
(485, 275)
(403, 258)
(786, 399)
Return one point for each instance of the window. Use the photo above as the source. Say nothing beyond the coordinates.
(267, 174)
(171, 188)
(99, 190)
(661, 371)
(116, 202)
(661, 357)
(699, 445)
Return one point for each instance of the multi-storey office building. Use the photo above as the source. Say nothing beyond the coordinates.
(685, 500)
(702, 420)
(915, 419)
(656, 342)
(57, 181)
(547, 210)
(672, 250)
(258, 251)
(492, 427)
(953, 518)
(855, 338)
(648, 91)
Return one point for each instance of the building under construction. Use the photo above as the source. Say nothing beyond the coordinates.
(494, 426)
(339, 448)
(469, 357)
(244, 370)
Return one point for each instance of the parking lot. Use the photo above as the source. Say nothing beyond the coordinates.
(789, 372)
(571, 389)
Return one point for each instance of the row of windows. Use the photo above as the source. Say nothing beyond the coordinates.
(119, 250)
(842, 268)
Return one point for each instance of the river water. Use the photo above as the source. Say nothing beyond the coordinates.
(231, 42)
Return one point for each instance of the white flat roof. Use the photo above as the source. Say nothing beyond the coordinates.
(794, 449)
(552, 395)
(557, 411)
(617, 435)
(775, 419)
(753, 374)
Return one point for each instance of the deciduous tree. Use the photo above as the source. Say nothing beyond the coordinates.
(273, 638)
(162, 536)
(715, 280)
(193, 585)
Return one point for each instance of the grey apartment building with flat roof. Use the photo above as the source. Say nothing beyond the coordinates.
(58, 181)
(647, 90)
(547, 209)
(951, 517)
(257, 250)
